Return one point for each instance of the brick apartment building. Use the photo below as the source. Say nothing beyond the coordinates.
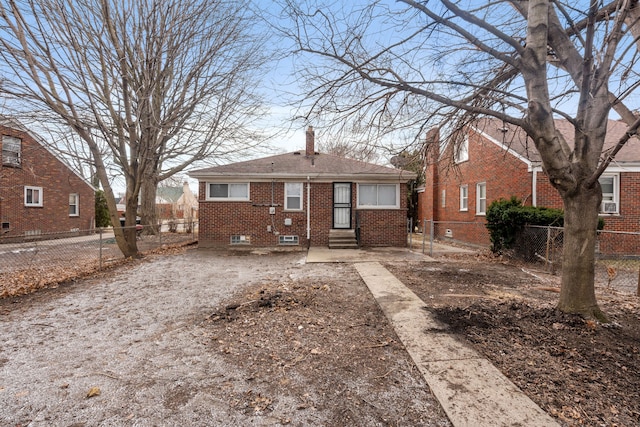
(38, 192)
(498, 160)
(302, 199)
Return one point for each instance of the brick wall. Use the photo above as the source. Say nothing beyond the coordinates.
(219, 220)
(39, 168)
(506, 176)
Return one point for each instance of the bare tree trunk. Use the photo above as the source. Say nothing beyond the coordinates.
(577, 294)
(148, 211)
(129, 245)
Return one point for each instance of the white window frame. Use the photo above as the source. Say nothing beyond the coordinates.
(287, 195)
(396, 205)
(240, 239)
(464, 198)
(462, 150)
(611, 197)
(480, 210)
(32, 204)
(444, 198)
(75, 204)
(288, 240)
(11, 157)
(228, 184)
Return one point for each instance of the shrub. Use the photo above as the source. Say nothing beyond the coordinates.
(102, 211)
(506, 218)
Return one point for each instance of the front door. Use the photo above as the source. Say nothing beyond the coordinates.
(342, 205)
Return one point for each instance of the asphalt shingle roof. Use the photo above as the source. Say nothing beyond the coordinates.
(516, 139)
(297, 164)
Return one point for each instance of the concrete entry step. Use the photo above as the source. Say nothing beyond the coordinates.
(342, 239)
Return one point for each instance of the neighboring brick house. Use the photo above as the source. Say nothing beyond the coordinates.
(176, 203)
(497, 160)
(302, 199)
(38, 192)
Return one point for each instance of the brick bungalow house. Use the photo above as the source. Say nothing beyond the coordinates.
(39, 193)
(497, 160)
(177, 203)
(302, 199)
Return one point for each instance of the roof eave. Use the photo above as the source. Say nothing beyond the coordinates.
(257, 177)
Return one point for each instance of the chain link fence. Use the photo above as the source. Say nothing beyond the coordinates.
(426, 233)
(617, 253)
(32, 262)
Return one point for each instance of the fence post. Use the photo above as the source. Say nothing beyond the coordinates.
(638, 290)
(424, 232)
(546, 255)
(410, 233)
(431, 230)
(100, 253)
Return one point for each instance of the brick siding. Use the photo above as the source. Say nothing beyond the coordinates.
(219, 220)
(505, 175)
(39, 168)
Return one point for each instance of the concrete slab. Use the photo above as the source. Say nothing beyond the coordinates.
(324, 254)
(470, 389)
(474, 393)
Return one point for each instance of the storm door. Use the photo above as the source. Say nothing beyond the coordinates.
(342, 205)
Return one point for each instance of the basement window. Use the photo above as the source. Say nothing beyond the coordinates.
(240, 239)
(288, 240)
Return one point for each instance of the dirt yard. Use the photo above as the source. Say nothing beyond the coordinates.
(210, 338)
(582, 373)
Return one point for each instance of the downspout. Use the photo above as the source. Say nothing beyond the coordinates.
(308, 212)
(534, 185)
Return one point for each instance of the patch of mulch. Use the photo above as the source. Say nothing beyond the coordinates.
(582, 372)
(322, 347)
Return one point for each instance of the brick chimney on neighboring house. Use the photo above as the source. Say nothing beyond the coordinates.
(429, 204)
(311, 142)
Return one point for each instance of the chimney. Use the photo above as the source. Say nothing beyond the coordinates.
(432, 198)
(311, 142)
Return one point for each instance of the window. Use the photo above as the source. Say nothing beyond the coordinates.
(288, 240)
(238, 191)
(464, 198)
(462, 150)
(73, 204)
(33, 196)
(11, 148)
(610, 194)
(293, 196)
(240, 240)
(481, 198)
(444, 198)
(379, 195)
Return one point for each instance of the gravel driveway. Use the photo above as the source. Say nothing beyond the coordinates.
(134, 336)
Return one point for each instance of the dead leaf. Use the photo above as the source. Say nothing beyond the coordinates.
(93, 391)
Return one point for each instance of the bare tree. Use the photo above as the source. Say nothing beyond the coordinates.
(159, 83)
(416, 64)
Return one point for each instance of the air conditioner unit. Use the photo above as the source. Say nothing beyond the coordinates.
(609, 207)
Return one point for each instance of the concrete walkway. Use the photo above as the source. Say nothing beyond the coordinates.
(470, 389)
